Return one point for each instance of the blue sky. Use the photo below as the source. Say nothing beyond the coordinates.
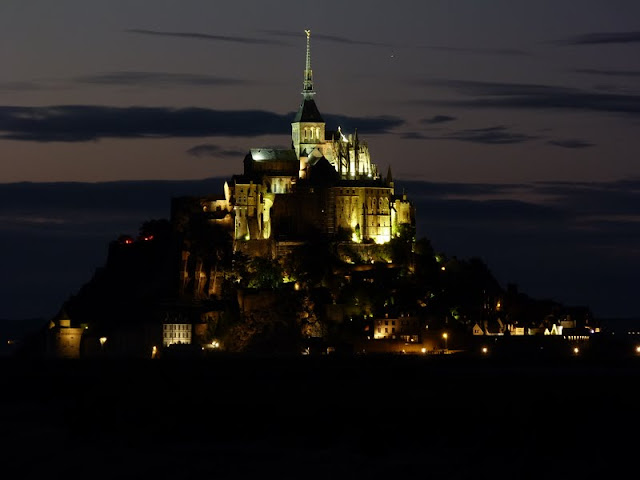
(522, 114)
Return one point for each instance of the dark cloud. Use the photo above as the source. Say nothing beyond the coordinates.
(132, 196)
(210, 150)
(365, 125)
(351, 41)
(157, 79)
(600, 199)
(72, 123)
(326, 38)
(481, 51)
(20, 86)
(532, 96)
(601, 38)
(608, 73)
(570, 143)
(414, 136)
(498, 135)
(204, 36)
(472, 190)
(438, 119)
(574, 241)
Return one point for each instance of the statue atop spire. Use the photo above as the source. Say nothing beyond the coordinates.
(307, 90)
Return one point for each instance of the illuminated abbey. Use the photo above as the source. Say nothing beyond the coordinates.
(309, 249)
(324, 184)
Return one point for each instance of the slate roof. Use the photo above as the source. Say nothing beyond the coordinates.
(308, 112)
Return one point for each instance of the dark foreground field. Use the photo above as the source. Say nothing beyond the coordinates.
(319, 417)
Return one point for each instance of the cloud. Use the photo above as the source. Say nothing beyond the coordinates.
(20, 86)
(19, 199)
(351, 41)
(608, 73)
(438, 119)
(414, 136)
(366, 125)
(326, 38)
(496, 135)
(601, 38)
(610, 199)
(157, 79)
(575, 240)
(73, 123)
(481, 51)
(570, 143)
(532, 96)
(203, 36)
(470, 190)
(210, 150)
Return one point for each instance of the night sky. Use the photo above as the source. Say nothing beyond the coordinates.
(512, 125)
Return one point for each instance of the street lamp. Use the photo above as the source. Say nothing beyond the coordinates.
(446, 337)
(103, 340)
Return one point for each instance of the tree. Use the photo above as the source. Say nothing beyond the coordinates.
(264, 273)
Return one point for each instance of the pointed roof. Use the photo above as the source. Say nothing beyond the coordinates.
(308, 111)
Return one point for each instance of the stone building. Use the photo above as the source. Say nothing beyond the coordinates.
(325, 184)
(63, 339)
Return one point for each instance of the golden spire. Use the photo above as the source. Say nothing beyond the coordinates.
(307, 90)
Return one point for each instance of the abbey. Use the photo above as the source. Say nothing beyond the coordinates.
(324, 184)
(308, 250)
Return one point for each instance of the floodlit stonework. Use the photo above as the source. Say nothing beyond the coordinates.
(324, 184)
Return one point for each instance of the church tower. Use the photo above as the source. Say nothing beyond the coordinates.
(308, 127)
